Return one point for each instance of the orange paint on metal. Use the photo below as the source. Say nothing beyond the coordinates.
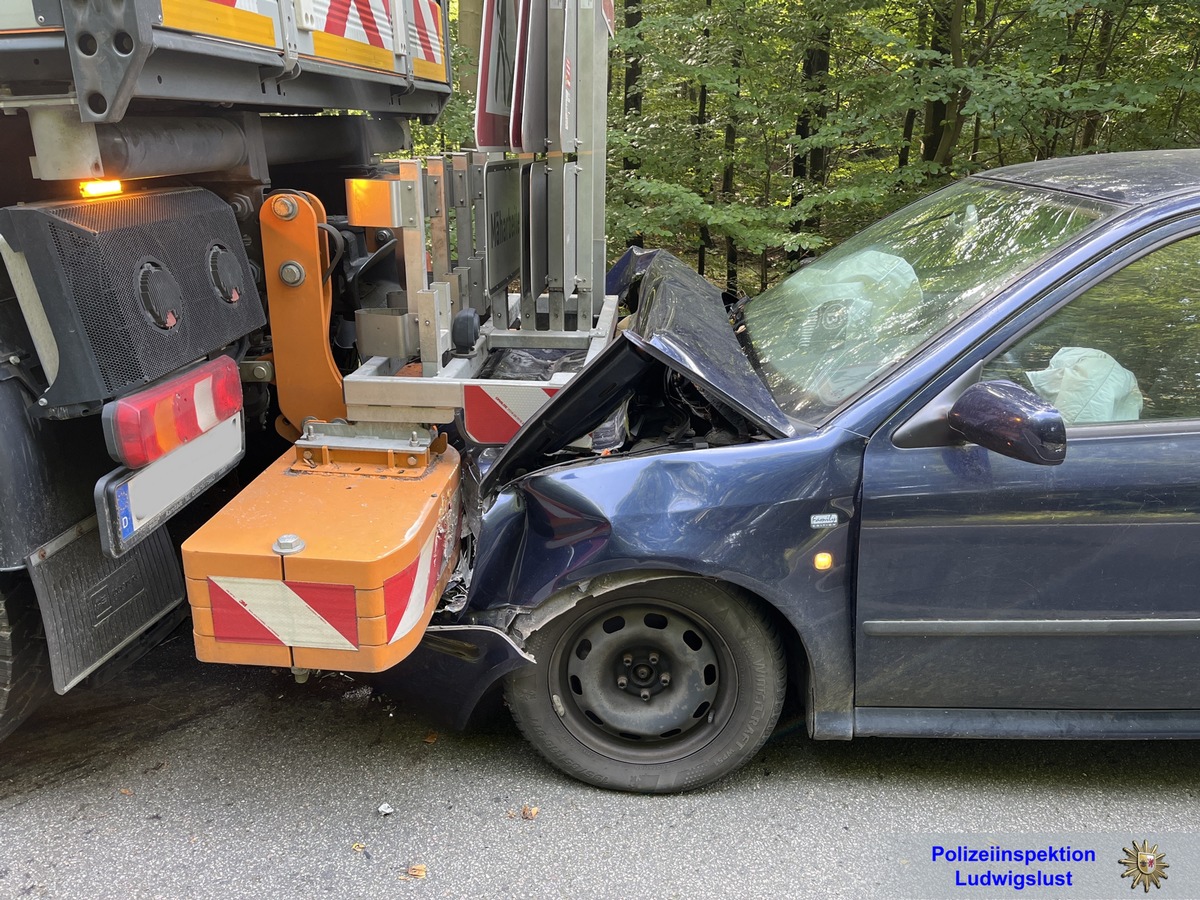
(197, 593)
(209, 649)
(370, 605)
(359, 529)
(219, 20)
(374, 659)
(342, 49)
(206, 552)
(308, 380)
(372, 631)
(202, 621)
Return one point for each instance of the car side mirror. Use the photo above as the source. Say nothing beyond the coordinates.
(1010, 420)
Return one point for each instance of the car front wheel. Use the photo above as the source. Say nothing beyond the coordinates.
(664, 686)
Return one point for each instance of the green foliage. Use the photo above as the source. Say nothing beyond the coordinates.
(978, 84)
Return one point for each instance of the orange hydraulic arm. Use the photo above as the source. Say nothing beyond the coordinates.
(300, 301)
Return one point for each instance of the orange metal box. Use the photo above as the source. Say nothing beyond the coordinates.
(329, 563)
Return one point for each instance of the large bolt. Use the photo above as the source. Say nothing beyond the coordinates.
(291, 273)
(260, 372)
(645, 694)
(622, 681)
(287, 543)
(654, 659)
(242, 207)
(665, 678)
(628, 660)
(284, 207)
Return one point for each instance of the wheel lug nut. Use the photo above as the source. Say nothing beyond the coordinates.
(665, 678)
(622, 681)
(654, 659)
(628, 659)
(645, 694)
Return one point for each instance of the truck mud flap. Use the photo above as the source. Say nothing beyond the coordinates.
(93, 606)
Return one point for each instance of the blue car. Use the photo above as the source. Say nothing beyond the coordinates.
(943, 481)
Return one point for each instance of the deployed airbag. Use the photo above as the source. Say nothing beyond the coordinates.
(1088, 385)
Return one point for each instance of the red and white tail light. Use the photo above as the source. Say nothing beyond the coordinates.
(149, 424)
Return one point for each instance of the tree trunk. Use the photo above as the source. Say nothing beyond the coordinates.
(935, 110)
(727, 183)
(1177, 109)
(809, 166)
(910, 122)
(1092, 121)
(706, 240)
(731, 253)
(633, 94)
(910, 115)
(952, 120)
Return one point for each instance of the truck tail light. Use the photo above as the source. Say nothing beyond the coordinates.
(145, 426)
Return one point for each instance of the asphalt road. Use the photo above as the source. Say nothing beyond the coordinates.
(180, 779)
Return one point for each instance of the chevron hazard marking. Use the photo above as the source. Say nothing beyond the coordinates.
(365, 21)
(280, 610)
(418, 594)
(492, 415)
(425, 30)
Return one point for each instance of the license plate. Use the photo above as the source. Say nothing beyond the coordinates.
(131, 503)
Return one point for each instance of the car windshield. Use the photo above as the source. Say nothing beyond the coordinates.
(840, 324)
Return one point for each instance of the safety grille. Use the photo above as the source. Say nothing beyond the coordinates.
(102, 249)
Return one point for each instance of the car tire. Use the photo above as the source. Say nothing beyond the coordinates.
(24, 660)
(597, 705)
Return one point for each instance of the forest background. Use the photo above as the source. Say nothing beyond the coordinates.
(745, 135)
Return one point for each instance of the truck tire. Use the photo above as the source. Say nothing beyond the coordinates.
(24, 661)
(665, 686)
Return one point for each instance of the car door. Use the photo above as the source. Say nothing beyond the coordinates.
(985, 582)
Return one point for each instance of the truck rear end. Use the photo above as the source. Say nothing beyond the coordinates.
(140, 142)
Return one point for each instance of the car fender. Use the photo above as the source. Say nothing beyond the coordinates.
(753, 516)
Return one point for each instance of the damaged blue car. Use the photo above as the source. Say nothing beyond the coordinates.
(941, 481)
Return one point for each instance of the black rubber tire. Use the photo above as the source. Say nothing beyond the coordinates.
(557, 714)
(24, 661)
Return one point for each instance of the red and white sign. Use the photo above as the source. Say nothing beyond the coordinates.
(610, 17)
(497, 74)
(325, 616)
(406, 595)
(365, 21)
(284, 613)
(426, 41)
(492, 415)
(248, 5)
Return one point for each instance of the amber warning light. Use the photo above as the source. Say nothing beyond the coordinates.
(92, 189)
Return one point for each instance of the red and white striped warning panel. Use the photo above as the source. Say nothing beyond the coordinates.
(425, 40)
(365, 21)
(492, 414)
(325, 616)
(285, 613)
(406, 595)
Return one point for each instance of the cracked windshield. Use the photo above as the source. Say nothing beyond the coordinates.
(838, 325)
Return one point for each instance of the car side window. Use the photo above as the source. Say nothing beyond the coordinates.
(1126, 349)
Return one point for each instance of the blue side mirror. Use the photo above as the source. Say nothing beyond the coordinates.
(1010, 420)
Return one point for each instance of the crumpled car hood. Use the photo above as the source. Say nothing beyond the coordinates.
(680, 323)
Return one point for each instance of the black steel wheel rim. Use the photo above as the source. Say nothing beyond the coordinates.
(608, 669)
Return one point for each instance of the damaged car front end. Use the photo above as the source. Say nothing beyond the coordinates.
(676, 555)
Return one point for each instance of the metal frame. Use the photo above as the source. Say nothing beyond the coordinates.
(172, 65)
